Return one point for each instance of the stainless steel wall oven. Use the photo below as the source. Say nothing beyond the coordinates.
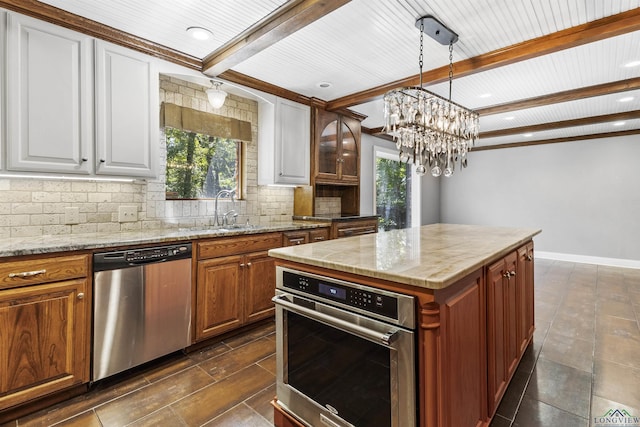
(345, 352)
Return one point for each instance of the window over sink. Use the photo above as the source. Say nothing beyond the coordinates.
(199, 165)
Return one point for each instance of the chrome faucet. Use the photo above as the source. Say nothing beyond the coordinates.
(223, 219)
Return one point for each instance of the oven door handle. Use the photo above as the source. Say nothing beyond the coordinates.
(386, 338)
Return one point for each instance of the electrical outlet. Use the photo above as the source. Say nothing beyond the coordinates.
(71, 215)
(127, 213)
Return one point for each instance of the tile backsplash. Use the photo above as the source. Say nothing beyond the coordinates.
(36, 207)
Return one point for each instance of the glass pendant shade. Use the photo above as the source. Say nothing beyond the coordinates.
(216, 96)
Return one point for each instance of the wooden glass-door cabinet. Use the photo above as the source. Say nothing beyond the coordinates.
(337, 148)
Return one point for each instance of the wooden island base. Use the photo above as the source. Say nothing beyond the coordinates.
(471, 336)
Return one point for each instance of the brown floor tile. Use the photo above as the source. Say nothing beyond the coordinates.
(561, 386)
(238, 358)
(167, 367)
(533, 413)
(512, 396)
(259, 331)
(209, 352)
(239, 416)
(269, 364)
(147, 400)
(86, 419)
(574, 352)
(621, 350)
(261, 402)
(499, 421)
(102, 392)
(572, 325)
(615, 308)
(617, 383)
(545, 311)
(210, 402)
(618, 327)
(163, 417)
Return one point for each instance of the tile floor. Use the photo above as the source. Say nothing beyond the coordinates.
(584, 361)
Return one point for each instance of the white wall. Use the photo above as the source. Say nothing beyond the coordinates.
(584, 195)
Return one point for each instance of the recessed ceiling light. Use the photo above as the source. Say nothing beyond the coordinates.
(199, 33)
(632, 64)
(324, 85)
(510, 117)
(619, 123)
(485, 95)
(626, 99)
(527, 135)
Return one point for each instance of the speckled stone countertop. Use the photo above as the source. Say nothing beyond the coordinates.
(432, 256)
(75, 242)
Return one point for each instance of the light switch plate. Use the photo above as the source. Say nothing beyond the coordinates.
(127, 213)
(71, 215)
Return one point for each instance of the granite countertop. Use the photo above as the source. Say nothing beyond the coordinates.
(332, 217)
(75, 242)
(432, 256)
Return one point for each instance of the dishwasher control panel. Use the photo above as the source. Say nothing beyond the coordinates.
(103, 261)
(150, 254)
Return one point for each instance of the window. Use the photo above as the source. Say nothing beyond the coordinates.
(393, 190)
(199, 165)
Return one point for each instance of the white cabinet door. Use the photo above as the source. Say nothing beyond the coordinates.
(49, 95)
(127, 112)
(293, 142)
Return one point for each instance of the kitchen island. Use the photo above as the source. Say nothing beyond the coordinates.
(473, 293)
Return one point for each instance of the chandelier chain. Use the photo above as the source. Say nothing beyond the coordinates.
(420, 58)
(450, 68)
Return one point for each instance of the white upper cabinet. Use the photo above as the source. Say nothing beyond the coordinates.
(49, 97)
(127, 112)
(284, 142)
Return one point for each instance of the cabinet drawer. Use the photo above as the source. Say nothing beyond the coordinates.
(238, 245)
(355, 228)
(318, 235)
(43, 270)
(293, 238)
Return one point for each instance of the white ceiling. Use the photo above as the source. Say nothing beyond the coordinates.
(368, 43)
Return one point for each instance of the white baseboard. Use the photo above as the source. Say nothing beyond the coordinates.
(583, 259)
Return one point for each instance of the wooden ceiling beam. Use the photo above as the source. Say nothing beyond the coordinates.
(590, 32)
(284, 21)
(565, 96)
(557, 140)
(628, 115)
(74, 22)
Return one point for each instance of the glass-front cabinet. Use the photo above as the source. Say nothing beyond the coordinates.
(337, 149)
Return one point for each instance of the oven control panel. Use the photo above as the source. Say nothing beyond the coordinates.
(358, 296)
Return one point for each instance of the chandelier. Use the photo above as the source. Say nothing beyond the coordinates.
(429, 130)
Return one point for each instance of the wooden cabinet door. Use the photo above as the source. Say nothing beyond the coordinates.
(127, 112)
(326, 146)
(50, 97)
(219, 296)
(318, 235)
(525, 296)
(349, 150)
(44, 340)
(259, 287)
(496, 334)
(512, 348)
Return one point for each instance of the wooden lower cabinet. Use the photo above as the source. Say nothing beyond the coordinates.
(350, 228)
(510, 321)
(44, 340)
(234, 290)
(471, 337)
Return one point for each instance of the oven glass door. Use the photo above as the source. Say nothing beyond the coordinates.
(345, 375)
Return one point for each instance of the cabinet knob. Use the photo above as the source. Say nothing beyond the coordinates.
(506, 275)
(80, 296)
(529, 257)
(242, 265)
(512, 273)
(103, 161)
(84, 159)
(248, 264)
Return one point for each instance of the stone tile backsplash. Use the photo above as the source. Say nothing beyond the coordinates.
(36, 207)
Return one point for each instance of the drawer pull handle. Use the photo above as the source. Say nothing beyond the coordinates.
(27, 273)
(80, 295)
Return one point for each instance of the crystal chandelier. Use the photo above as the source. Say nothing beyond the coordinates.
(429, 130)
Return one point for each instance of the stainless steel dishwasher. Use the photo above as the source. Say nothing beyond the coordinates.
(141, 306)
